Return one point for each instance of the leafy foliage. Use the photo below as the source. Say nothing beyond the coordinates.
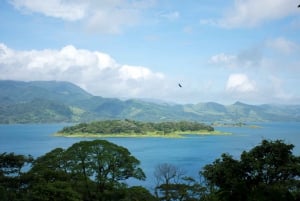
(269, 171)
(136, 127)
(12, 180)
(37, 110)
(88, 170)
(98, 170)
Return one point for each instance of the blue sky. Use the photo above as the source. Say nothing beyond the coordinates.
(221, 51)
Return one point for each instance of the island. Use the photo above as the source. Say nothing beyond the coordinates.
(132, 128)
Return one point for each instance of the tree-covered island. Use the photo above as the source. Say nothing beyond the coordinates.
(131, 128)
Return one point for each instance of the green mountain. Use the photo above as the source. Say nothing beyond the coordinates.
(53, 101)
(35, 111)
(17, 91)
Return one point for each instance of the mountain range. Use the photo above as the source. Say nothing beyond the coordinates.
(56, 101)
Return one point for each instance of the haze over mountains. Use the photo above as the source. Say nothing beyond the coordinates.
(53, 101)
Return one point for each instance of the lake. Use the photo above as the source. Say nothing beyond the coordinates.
(190, 153)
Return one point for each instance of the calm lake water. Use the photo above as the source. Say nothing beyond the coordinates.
(190, 153)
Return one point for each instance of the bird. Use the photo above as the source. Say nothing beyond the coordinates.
(179, 85)
(299, 6)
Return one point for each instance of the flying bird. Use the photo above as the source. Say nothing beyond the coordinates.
(179, 85)
(299, 6)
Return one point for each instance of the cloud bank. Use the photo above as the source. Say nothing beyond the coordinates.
(251, 13)
(100, 74)
(105, 16)
(265, 73)
(95, 71)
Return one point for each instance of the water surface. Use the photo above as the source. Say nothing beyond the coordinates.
(190, 153)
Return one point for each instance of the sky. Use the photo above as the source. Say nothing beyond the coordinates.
(221, 51)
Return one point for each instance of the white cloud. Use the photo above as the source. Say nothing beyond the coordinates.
(240, 83)
(282, 45)
(273, 74)
(105, 16)
(249, 13)
(222, 58)
(100, 74)
(137, 72)
(67, 10)
(112, 20)
(251, 57)
(95, 71)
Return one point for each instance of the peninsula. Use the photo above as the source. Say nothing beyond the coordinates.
(131, 128)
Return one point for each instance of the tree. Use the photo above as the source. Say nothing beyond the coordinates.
(108, 163)
(137, 193)
(269, 171)
(95, 170)
(12, 175)
(56, 190)
(104, 163)
(224, 178)
(172, 184)
(49, 178)
(272, 169)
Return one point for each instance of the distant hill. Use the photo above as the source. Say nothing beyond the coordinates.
(53, 101)
(17, 91)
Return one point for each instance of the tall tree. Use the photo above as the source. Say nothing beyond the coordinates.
(105, 163)
(49, 178)
(173, 185)
(12, 179)
(94, 169)
(269, 171)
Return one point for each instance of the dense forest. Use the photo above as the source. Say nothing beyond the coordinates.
(56, 102)
(134, 127)
(98, 170)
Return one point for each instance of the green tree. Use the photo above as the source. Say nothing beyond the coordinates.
(12, 175)
(129, 126)
(56, 190)
(51, 179)
(138, 193)
(107, 164)
(272, 169)
(269, 171)
(89, 170)
(224, 177)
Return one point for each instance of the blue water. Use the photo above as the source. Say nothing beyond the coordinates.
(190, 153)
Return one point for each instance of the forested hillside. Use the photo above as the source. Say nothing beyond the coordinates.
(53, 101)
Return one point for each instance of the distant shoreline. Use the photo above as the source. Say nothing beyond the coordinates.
(143, 135)
(234, 125)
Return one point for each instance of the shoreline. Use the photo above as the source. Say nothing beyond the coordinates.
(143, 135)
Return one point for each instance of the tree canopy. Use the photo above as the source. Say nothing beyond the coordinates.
(98, 170)
(88, 170)
(269, 171)
(137, 127)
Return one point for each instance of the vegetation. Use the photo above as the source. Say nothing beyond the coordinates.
(38, 111)
(98, 170)
(133, 128)
(51, 101)
(269, 171)
(88, 170)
